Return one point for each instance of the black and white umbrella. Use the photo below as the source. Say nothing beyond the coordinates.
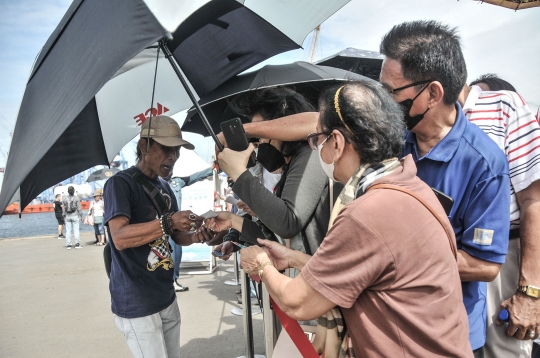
(92, 84)
(363, 62)
(308, 79)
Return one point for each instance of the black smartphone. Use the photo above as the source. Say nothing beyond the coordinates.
(217, 253)
(234, 134)
(446, 200)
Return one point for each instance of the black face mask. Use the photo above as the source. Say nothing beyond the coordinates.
(406, 105)
(269, 157)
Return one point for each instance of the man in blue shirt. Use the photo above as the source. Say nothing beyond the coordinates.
(425, 71)
(177, 184)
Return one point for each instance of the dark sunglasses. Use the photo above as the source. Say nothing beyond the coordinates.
(395, 90)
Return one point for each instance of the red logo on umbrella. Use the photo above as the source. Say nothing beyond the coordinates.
(141, 117)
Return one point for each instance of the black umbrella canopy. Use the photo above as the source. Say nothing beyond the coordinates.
(362, 62)
(58, 132)
(308, 79)
(221, 40)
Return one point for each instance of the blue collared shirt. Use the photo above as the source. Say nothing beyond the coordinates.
(468, 166)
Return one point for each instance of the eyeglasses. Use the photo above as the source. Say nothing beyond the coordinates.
(313, 139)
(394, 91)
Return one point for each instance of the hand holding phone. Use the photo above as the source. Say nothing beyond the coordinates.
(233, 131)
(234, 163)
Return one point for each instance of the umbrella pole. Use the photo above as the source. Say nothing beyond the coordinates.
(169, 56)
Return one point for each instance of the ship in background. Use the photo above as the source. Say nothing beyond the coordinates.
(43, 203)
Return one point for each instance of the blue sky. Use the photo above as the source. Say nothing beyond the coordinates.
(495, 40)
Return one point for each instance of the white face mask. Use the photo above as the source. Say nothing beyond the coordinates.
(327, 168)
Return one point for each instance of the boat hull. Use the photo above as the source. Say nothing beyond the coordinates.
(37, 208)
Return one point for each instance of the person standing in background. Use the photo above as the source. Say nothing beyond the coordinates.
(72, 213)
(177, 184)
(493, 105)
(97, 209)
(59, 216)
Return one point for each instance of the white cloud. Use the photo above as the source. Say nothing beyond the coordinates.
(495, 39)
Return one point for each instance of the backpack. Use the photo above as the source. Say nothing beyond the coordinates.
(71, 204)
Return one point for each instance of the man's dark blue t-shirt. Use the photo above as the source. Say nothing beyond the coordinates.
(141, 281)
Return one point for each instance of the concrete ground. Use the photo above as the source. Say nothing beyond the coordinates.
(55, 303)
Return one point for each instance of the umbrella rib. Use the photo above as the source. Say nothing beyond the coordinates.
(152, 104)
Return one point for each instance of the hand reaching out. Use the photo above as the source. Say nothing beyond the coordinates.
(226, 248)
(221, 222)
(244, 207)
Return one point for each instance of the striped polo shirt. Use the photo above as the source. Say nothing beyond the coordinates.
(505, 117)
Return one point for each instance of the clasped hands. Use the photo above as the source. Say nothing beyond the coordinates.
(254, 257)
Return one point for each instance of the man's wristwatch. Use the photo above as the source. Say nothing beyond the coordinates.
(531, 291)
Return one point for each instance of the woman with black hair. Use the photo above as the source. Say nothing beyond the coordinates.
(297, 207)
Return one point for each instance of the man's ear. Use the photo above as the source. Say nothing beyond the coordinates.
(436, 93)
(142, 145)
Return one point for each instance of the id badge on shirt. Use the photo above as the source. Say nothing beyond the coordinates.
(483, 236)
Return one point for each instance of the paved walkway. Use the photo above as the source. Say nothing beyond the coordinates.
(55, 303)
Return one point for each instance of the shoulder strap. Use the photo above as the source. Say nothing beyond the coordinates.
(150, 189)
(406, 191)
